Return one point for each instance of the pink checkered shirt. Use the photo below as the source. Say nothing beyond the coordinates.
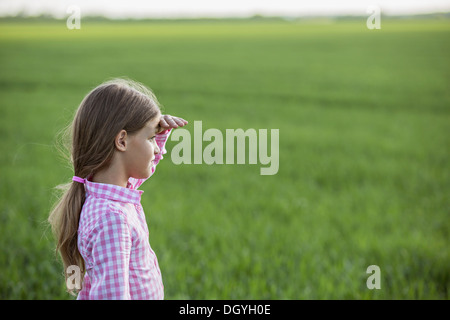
(113, 241)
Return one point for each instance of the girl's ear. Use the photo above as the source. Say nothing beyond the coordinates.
(121, 140)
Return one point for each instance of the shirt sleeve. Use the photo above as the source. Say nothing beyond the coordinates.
(111, 248)
(161, 139)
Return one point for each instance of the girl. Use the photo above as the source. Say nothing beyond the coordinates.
(118, 138)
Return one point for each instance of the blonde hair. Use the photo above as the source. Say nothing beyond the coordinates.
(112, 106)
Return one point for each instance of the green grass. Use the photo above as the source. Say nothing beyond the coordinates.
(363, 179)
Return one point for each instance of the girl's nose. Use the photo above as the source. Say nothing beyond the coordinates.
(156, 149)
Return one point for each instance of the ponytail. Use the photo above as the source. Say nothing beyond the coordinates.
(64, 220)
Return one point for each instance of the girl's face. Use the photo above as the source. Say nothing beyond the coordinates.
(141, 150)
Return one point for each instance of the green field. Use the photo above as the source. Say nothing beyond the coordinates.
(364, 153)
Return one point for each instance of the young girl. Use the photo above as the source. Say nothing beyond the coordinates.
(118, 138)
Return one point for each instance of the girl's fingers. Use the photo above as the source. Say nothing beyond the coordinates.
(163, 123)
(174, 122)
(180, 122)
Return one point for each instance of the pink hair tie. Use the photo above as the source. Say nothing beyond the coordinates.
(78, 179)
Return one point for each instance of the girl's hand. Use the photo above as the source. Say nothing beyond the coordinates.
(169, 122)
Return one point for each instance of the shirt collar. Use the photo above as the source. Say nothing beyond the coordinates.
(113, 192)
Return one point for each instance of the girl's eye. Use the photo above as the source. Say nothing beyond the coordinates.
(152, 138)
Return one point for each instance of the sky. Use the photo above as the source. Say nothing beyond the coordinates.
(212, 8)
